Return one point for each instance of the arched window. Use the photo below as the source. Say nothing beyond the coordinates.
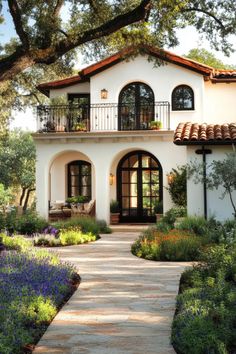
(136, 106)
(79, 179)
(182, 98)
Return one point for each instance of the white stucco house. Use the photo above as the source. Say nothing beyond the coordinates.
(100, 144)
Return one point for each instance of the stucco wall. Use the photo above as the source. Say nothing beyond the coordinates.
(220, 104)
(219, 208)
(84, 87)
(162, 80)
(104, 157)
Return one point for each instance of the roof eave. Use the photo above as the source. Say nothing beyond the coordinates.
(211, 142)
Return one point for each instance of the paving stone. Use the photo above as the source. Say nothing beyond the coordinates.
(124, 305)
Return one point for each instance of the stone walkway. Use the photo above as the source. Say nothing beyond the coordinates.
(124, 304)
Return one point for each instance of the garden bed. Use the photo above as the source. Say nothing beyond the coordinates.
(205, 320)
(34, 284)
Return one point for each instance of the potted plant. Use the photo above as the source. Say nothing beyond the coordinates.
(158, 209)
(80, 127)
(155, 124)
(80, 199)
(50, 126)
(114, 212)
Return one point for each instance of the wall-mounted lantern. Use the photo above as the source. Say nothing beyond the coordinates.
(104, 94)
(111, 179)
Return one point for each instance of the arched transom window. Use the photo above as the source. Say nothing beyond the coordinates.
(136, 106)
(182, 98)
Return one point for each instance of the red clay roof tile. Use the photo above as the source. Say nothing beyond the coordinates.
(203, 134)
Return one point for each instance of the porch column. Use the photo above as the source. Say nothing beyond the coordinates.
(42, 186)
(102, 192)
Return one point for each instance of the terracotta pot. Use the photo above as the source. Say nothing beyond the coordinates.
(159, 217)
(114, 218)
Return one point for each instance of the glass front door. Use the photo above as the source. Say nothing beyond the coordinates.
(139, 186)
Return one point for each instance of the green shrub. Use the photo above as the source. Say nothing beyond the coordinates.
(18, 243)
(183, 249)
(103, 227)
(86, 224)
(197, 225)
(74, 236)
(30, 223)
(206, 312)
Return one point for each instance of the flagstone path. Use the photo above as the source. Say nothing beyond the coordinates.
(124, 305)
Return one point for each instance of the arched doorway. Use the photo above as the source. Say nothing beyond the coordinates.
(79, 179)
(139, 186)
(136, 107)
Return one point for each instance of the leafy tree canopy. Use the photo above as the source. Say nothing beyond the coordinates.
(204, 56)
(17, 161)
(48, 32)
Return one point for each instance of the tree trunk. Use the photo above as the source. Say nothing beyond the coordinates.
(27, 198)
(22, 196)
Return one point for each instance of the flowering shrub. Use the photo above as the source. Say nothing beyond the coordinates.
(174, 245)
(65, 237)
(33, 284)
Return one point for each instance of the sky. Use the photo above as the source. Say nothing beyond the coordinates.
(188, 38)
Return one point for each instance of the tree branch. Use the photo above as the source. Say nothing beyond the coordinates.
(17, 19)
(111, 26)
(58, 7)
(32, 94)
(21, 59)
(196, 9)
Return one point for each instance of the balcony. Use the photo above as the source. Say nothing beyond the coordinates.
(102, 117)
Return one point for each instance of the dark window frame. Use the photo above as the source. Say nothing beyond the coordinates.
(182, 108)
(136, 105)
(79, 163)
(140, 208)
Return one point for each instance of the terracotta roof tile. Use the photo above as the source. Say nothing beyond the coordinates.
(200, 134)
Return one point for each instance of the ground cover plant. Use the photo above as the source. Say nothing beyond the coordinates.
(33, 286)
(205, 321)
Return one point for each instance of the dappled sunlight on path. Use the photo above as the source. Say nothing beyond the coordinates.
(124, 304)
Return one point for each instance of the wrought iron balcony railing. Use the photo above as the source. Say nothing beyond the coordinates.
(102, 117)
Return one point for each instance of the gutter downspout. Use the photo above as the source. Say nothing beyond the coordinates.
(204, 152)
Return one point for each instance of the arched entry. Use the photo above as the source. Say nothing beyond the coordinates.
(136, 106)
(139, 185)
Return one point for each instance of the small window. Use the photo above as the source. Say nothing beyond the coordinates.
(182, 98)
